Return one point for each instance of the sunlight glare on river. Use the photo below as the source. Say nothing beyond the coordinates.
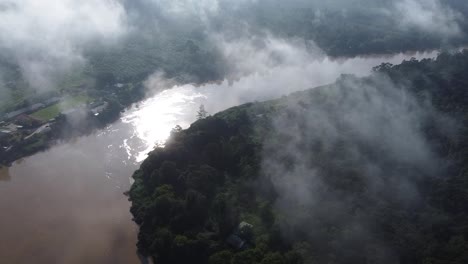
(154, 118)
(66, 204)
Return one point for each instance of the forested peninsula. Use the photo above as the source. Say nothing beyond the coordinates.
(365, 170)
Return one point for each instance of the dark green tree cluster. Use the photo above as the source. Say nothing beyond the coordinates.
(345, 28)
(192, 194)
(189, 196)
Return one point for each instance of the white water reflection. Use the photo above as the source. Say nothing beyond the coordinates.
(153, 119)
(66, 205)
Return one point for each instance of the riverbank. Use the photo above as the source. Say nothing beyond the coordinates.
(36, 128)
(222, 190)
(74, 189)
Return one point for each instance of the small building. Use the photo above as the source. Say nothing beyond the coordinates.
(27, 121)
(9, 129)
(242, 237)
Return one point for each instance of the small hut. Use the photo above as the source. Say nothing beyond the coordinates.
(242, 237)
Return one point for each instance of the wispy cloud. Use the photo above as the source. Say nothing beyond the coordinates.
(429, 16)
(337, 153)
(48, 37)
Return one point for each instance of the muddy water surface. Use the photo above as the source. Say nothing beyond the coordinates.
(66, 205)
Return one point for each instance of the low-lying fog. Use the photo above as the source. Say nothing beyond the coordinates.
(66, 205)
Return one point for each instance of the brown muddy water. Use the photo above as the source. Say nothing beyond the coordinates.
(66, 205)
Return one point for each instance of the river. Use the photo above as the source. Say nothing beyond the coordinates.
(66, 205)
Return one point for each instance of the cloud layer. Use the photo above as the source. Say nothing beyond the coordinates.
(48, 37)
(429, 16)
(338, 156)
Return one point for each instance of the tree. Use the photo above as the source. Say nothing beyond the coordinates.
(105, 79)
(168, 173)
(273, 258)
(221, 257)
(202, 113)
(267, 215)
(245, 257)
(162, 242)
(176, 129)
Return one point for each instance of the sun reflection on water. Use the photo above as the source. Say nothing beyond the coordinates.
(154, 118)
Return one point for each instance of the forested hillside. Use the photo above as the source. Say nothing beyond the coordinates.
(366, 170)
(182, 40)
(358, 27)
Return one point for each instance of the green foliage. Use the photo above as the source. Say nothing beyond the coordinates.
(179, 53)
(201, 113)
(36, 143)
(189, 196)
(47, 113)
(273, 258)
(245, 257)
(221, 257)
(199, 198)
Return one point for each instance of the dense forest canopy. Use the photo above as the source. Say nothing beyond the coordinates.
(366, 170)
(106, 42)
